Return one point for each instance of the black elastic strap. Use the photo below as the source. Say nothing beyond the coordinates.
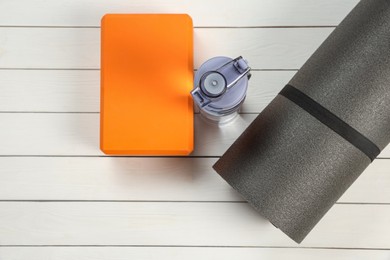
(331, 120)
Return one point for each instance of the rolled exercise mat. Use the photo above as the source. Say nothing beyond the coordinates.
(323, 129)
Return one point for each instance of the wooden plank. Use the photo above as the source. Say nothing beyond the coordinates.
(78, 134)
(79, 90)
(50, 90)
(177, 253)
(79, 48)
(184, 224)
(204, 13)
(147, 179)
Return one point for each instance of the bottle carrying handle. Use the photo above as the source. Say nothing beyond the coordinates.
(203, 97)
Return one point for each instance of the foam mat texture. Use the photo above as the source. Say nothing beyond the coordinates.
(287, 164)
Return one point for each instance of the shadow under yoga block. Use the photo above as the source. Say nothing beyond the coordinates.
(323, 129)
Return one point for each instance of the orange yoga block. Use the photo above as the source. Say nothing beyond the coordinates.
(146, 79)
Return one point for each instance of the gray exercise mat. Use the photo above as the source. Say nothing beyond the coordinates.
(291, 166)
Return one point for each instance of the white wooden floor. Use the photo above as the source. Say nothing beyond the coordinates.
(61, 198)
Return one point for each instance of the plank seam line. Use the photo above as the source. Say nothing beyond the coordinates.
(170, 201)
(49, 112)
(123, 156)
(211, 246)
(116, 156)
(195, 27)
(83, 112)
(98, 69)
